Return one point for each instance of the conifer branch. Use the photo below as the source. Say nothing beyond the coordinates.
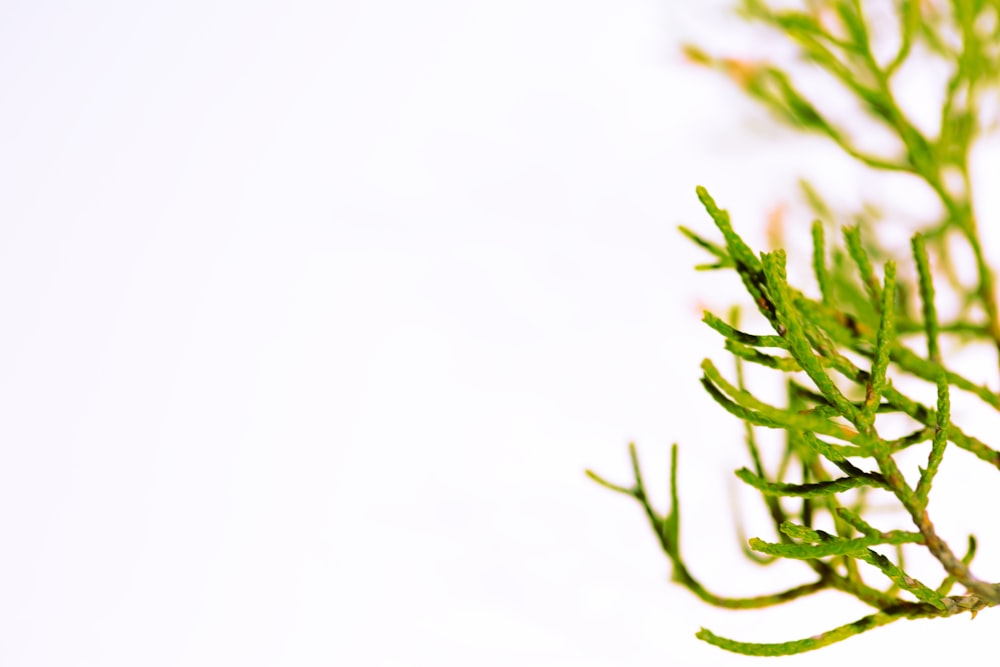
(845, 350)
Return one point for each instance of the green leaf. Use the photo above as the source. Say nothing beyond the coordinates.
(830, 545)
(813, 490)
(883, 345)
(903, 580)
(715, 249)
(801, 645)
(741, 337)
(926, 284)
(938, 444)
(792, 328)
(819, 262)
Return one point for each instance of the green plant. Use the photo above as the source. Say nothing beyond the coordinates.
(848, 353)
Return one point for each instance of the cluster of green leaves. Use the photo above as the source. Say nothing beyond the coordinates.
(843, 353)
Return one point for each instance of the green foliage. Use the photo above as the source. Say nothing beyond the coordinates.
(846, 352)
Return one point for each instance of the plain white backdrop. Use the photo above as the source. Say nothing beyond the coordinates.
(314, 313)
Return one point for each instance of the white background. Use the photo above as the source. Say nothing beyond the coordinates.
(313, 315)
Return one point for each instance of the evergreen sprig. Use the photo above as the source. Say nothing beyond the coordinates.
(845, 352)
